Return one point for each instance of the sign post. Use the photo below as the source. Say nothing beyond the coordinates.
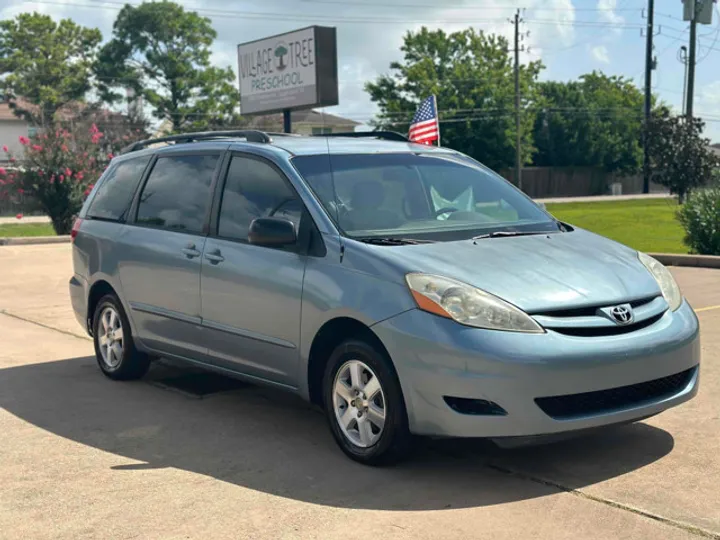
(287, 121)
(292, 71)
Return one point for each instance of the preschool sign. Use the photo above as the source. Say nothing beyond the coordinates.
(297, 70)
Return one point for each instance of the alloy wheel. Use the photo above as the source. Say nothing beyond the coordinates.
(110, 337)
(359, 403)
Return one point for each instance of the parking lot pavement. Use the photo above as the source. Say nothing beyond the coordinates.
(85, 457)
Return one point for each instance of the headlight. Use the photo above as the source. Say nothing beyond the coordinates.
(468, 305)
(665, 280)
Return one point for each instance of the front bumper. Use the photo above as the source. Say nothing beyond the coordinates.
(437, 357)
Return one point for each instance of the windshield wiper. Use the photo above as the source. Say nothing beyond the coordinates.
(503, 234)
(391, 241)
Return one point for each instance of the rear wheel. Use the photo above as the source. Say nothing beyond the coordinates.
(364, 404)
(114, 346)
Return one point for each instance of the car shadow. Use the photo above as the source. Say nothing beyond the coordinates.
(274, 442)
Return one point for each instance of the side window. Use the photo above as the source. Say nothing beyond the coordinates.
(177, 193)
(254, 189)
(116, 191)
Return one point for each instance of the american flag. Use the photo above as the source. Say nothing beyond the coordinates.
(424, 127)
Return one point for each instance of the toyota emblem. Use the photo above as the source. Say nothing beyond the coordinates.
(622, 314)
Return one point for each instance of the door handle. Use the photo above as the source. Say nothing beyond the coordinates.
(190, 251)
(214, 257)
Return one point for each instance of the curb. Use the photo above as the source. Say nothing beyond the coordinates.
(34, 240)
(700, 261)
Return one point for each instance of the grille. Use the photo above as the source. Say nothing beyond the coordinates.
(589, 311)
(608, 330)
(606, 401)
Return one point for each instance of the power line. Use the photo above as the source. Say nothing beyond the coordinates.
(665, 15)
(469, 8)
(717, 32)
(593, 35)
(585, 24)
(213, 12)
(217, 13)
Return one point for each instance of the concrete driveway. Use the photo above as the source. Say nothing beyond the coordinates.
(84, 457)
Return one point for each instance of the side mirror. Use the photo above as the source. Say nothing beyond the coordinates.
(272, 232)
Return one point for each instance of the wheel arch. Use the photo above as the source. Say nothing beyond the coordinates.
(98, 289)
(331, 334)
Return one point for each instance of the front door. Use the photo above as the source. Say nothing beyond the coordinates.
(160, 254)
(251, 295)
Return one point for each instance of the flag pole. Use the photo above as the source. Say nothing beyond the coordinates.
(437, 113)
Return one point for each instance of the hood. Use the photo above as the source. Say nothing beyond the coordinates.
(537, 273)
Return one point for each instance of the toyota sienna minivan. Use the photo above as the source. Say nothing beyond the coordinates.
(406, 289)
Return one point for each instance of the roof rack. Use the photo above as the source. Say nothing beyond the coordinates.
(250, 135)
(385, 135)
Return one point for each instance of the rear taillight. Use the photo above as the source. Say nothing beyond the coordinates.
(75, 229)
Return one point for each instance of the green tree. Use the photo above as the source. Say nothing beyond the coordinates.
(471, 74)
(680, 157)
(595, 121)
(162, 53)
(44, 65)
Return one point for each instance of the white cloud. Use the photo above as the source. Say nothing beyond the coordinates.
(553, 23)
(600, 53)
(608, 13)
(710, 97)
(61, 9)
(707, 106)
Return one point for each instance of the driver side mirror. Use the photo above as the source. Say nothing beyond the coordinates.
(272, 232)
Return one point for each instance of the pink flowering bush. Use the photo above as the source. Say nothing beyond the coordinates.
(58, 169)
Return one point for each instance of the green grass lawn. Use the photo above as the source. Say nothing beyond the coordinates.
(26, 229)
(646, 225)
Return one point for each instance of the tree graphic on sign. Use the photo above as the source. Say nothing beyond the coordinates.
(280, 52)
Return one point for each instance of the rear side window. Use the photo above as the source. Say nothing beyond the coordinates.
(177, 193)
(114, 194)
(254, 189)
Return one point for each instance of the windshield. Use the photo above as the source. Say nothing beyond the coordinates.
(422, 196)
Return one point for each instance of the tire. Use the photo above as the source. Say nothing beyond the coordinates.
(121, 363)
(361, 439)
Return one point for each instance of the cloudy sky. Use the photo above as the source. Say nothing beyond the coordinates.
(571, 37)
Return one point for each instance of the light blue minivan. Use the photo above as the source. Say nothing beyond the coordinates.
(406, 289)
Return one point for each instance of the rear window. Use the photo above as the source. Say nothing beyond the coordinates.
(177, 193)
(116, 191)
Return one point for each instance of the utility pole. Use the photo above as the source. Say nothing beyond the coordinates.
(648, 94)
(697, 12)
(518, 137)
(691, 65)
(684, 60)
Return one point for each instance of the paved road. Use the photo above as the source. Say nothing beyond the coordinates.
(84, 457)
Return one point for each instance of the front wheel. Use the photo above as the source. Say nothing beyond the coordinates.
(364, 404)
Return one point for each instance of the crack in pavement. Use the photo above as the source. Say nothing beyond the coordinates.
(43, 325)
(687, 527)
